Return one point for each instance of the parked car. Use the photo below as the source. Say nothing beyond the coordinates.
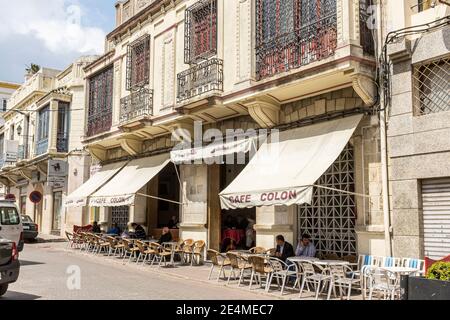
(10, 223)
(30, 229)
(9, 264)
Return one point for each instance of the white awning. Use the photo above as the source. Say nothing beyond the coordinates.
(79, 197)
(216, 150)
(122, 189)
(284, 172)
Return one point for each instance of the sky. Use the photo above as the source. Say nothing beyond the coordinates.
(51, 33)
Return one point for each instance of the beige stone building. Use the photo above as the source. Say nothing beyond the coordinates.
(43, 124)
(295, 66)
(418, 128)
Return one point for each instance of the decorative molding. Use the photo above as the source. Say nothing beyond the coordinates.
(132, 146)
(264, 110)
(365, 87)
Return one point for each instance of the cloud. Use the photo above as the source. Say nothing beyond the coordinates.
(58, 24)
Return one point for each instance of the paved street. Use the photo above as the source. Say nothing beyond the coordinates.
(43, 276)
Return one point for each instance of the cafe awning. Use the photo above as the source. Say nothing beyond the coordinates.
(122, 189)
(285, 170)
(79, 197)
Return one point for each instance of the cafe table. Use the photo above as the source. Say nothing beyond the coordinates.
(328, 263)
(400, 271)
(302, 259)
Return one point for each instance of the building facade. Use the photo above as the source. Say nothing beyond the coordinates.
(418, 129)
(234, 65)
(41, 138)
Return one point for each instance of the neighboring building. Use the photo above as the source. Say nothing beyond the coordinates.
(419, 130)
(44, 123)
(236, 64)
(6, 90)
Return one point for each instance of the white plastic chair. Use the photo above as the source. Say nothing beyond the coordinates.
(343, 278)
(281, 271)
(317, 279)
(382, 282)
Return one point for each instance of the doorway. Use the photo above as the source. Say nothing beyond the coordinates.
(236, 225)
(57, 210)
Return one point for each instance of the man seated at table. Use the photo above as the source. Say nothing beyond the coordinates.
(284, 249)
(166, 236)
(139, 231)
(305, 247)
(114, 231)
(96, 228)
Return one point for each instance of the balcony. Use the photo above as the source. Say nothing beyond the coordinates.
(281, 49)
(200, 79)
(138, 104)
(41, 147)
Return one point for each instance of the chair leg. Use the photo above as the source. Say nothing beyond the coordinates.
(251, 279)
(210, 272)
(318, 290)
(302, 287)
(283, 284)
(329, 290)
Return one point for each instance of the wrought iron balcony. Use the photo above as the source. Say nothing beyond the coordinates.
(137, 104)
(41, 147)
(200, 79)
(309, 36)
(22, 153)
(99, 123)
(62, 143)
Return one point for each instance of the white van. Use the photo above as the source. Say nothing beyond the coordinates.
(10, 223)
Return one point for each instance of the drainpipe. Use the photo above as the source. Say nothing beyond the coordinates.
(385, 183)
(383, 141)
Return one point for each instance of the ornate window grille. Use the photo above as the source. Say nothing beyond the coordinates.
(100, 102)
(366, 33)
(331, 218)
(137, 104)
(202, 78)
(138, 63)
(293, 33)
(121, 216)
(200, 40)
(432, 87)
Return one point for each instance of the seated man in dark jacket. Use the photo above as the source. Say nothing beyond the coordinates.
(284, 249)
(139, 231)
(166, 236)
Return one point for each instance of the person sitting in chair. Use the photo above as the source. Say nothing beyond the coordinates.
(166, 236)
(96, 228)
(139, 231)
(284, 249)
(305, 247)
(114, 231)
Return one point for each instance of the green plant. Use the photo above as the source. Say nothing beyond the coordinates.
(439, 271)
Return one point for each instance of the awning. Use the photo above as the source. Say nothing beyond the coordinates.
(79, 197)
(122, 189)
(216, 150)
(283, 172)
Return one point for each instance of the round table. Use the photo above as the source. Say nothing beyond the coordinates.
(302, 259)
(400, 270)
(331, 262)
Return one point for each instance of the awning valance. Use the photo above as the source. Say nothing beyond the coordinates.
(283, 172)
(122, 189)
(79, 197)
(216, 150)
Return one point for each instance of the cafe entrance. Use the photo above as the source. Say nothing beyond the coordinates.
(236, 225)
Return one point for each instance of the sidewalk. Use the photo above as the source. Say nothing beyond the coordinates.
(48, 238)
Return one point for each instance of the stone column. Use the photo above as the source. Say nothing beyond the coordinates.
(273, 221)
(194, 195)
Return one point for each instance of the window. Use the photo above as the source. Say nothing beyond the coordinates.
(63, 127)
(200, 31)
(2, 145)
(100, 102)
(9, 217)
(43, 123)
(292, 33)
(366, 35)
(138, 63)
(4, 105)
(431, 87)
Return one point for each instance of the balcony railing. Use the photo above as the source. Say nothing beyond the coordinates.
(62, 143)
(137, 104)
(41, 147)
(22, 153)
(314, 39)
(99, 123)
(200, 79)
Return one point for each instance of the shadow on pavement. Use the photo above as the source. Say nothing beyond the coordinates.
(13, 295)
(24, 263)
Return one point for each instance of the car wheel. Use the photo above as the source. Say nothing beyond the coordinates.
(3, 289)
